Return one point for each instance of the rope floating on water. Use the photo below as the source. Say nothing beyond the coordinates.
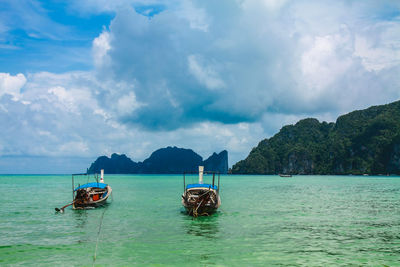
(98, 235)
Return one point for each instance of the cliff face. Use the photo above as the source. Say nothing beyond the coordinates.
(163, 161)
(394, 159)
(364, 141)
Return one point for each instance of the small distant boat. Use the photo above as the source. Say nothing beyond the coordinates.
(285, 175)
(201, 198)
(89, 195)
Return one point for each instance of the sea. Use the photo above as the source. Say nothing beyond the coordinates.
(263, 221)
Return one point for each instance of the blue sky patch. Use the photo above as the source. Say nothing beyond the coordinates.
(149, 10)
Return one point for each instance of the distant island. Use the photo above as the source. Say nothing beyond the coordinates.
(361, 142)
(170, 160)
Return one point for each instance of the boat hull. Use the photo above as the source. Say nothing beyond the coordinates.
(201, 201)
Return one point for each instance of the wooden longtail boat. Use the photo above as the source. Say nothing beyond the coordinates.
(201, 198)
(90, 195)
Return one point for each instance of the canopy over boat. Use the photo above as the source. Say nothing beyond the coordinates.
(97, 185)
(202, 186)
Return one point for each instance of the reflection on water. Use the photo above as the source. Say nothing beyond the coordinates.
(81, 218)
(207, 226)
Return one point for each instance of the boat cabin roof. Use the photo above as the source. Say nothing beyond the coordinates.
(96, 185)
(202, 186)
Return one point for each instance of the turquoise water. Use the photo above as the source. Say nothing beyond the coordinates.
(263, 221)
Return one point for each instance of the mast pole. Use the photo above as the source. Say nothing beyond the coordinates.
(72, 187)
(213, 179)
(101, 176)
(201, 169)
(218, 184)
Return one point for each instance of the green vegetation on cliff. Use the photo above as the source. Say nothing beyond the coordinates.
(363, 141)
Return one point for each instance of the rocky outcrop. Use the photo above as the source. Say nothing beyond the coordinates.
(115, 164)
(217, 162)
(300, 163)
(170, 160)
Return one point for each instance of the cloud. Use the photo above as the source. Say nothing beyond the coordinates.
(11, 85)
(191, 63)
(100, 47)
(178, 87)
(127, 104)
(59, 115)
(50, 112)
(206, 75)
(376, 46)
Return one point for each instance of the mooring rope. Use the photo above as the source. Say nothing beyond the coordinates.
(98, 235)
(202, 199)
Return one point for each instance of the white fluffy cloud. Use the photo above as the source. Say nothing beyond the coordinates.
(101, 45)
(11, 85)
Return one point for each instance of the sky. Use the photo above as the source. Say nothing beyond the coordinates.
(85, 78)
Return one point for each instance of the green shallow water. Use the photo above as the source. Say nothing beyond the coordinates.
(263, 221)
